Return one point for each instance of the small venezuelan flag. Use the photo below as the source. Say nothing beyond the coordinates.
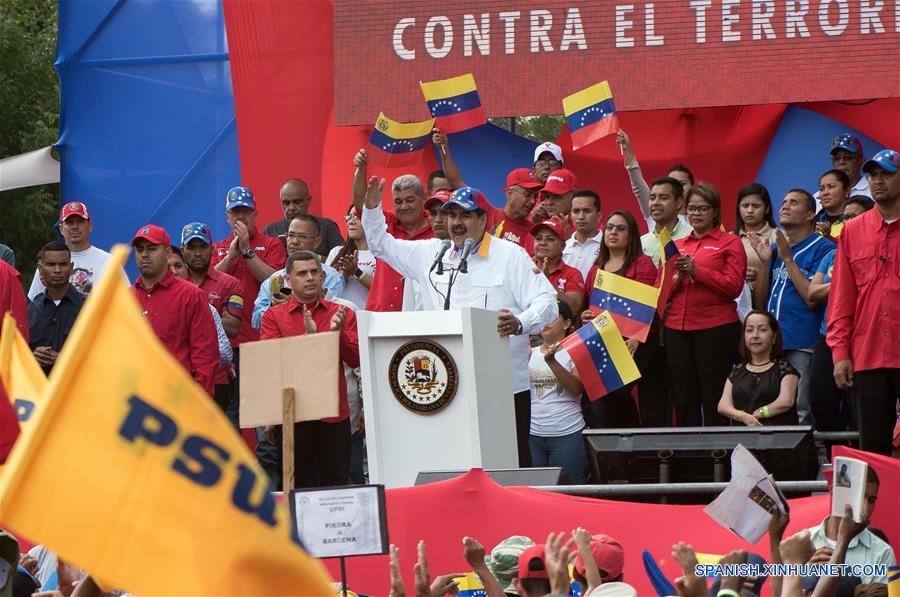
(590, 114)
(397, 144)
(454, 103)
(668, 252)
(631, 304)
(601, 357)
(894, 580)
(470, 586)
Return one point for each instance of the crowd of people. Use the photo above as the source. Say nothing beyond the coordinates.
(743, 339)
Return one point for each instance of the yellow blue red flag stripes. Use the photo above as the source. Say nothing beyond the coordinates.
(894, 580)
(20, 373)
(165, 497)
(590, 114)
(631, 304)
(397, 144)
(454, 103)
(601, 357)
(668, 252)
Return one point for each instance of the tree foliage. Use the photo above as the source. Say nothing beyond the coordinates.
(29, 119)
(536, 128)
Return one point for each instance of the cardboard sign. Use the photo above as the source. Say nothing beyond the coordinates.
(341, 521)
(310, 365)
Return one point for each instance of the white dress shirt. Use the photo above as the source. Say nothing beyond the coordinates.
(500, 275)
(582, 256)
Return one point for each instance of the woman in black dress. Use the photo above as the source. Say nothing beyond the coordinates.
(762, 390)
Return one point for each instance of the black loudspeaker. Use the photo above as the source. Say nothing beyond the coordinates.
(507, 477)
(698, 454)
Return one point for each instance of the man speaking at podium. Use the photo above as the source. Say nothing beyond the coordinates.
(472, 269)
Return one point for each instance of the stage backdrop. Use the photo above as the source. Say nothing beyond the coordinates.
(669, 53)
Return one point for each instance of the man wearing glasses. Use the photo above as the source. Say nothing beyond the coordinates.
(547, 158)
(302, 235)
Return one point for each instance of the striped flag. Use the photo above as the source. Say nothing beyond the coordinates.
(631, 304)
(590, 114)
(668, 252)
(396, 144)
(601, 357)
(454, 103)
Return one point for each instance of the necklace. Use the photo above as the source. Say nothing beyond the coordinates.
(752, 364)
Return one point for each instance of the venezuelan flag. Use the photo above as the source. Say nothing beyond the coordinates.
(601, 357)
(894, 580)
(590, 114)
(668, 252)
(631, 304)
(470, 586)
(454, 103)
(397, 144)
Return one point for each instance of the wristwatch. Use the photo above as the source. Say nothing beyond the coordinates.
(248, 254)
(359, 275)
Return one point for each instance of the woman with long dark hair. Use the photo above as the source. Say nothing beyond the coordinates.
(621, 254)
(701, 325)
(753, 215)
(834, 191)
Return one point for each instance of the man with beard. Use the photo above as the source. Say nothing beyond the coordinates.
(223, 292)
(177, 310)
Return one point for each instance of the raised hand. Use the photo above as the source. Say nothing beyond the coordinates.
(242, 234)
(444, 584)
(684, 554)
(734, 583)
(550, 355)
(420, 573)
(762, 247)
(783, 246)
(623, 139)
(557, 558)
(348, 264)
(308, 322)
(338, 318)
(438, 138)
(797, 549)
(587, 316)
(849, 528)
(361, 159)
(374, 191)
(473, 551)
(398, 589)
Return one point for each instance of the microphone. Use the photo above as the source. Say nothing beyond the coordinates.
(467, 248)
(438, 263)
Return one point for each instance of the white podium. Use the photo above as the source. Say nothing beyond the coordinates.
(413, 423)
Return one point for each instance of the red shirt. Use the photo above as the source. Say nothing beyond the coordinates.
(386, 291)
(286, 319)
(516, 231)
(641, 270)
(707, 300)
(12, 297)
(224, 293)
(267, 248)
(863, 322)
(566, 278)
(179, 314)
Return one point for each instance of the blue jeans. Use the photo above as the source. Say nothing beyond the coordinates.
(566, 451)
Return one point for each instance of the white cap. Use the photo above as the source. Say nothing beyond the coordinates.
(613, 589)
(553, 148)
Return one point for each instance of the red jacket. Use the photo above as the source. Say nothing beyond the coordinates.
(863, 322)
(12, 297)
(642, 270)
(9, 424)
(707, 299)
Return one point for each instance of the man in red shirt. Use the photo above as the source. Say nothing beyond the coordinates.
(548, 247)
(407, 223)
(321, 448)
(556, 197)
(12, 297)
(176, 309)
(246, 254)
(437, 217)
(863, 327)
(223, 292)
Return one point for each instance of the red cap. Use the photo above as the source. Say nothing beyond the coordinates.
(553, 225)
(608, 554)
(155, 235)
(522, 177)
(74, 208)
(535, 552)
(560, 182)
(442, 196)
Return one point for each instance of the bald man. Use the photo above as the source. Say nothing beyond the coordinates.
(295, 200)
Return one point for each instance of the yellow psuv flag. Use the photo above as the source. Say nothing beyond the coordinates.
(159, 495)
(20, 373)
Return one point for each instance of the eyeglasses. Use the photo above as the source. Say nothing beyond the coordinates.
(619, 227)
(547, 163)
(299, 236)
(699, 209)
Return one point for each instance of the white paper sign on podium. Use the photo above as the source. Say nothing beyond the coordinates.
(437, 393)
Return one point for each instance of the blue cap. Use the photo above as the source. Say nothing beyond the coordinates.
(886, 159)
(468, 198)
(239, 197)
(847, 142)
(196, 230)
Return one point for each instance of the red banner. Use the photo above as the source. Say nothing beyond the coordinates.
(526, 56)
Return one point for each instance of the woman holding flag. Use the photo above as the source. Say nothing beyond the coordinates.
(701, 327)
(621, 254)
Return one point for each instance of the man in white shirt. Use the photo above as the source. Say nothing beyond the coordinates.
(582, 248)
(89, 261)
(500, 276)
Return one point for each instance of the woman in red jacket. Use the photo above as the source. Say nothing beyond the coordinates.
(621, 254)
(701, 327)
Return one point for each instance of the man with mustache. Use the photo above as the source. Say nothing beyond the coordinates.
(500, 277)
